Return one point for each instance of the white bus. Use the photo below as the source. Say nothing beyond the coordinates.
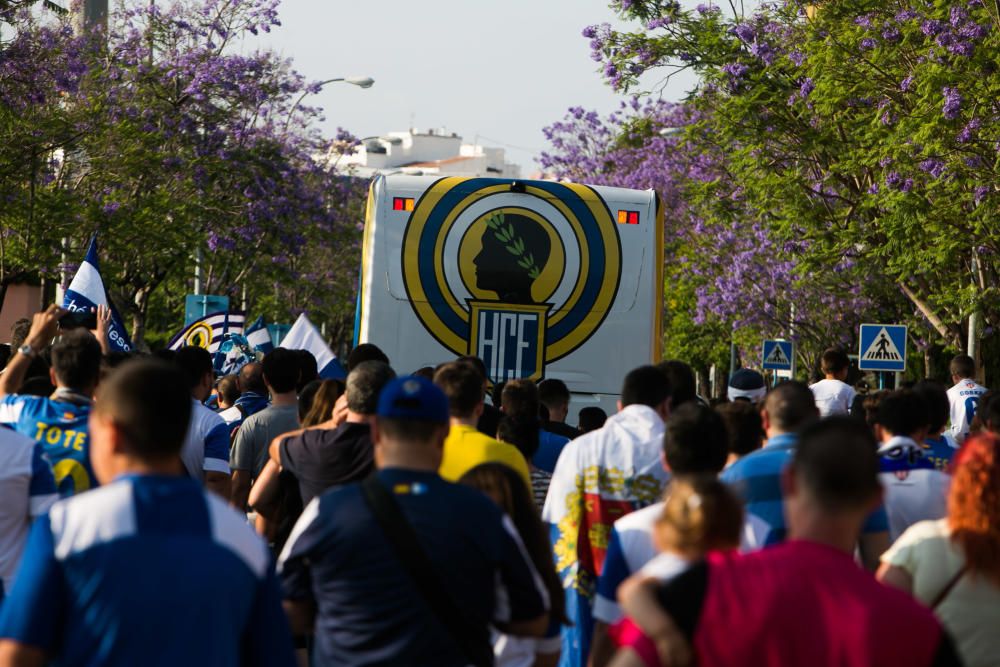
(540, 279)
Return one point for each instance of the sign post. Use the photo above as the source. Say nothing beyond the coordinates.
(197, 306)
(883, 349)
(779, 356)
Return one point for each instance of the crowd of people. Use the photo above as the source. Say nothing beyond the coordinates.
(153, 513)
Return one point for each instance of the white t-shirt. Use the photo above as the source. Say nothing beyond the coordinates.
(833, 397)
(912, 493)
(206, 447)
(635, 536)
(511, 651)
(964, 399)
(971, 610)
(27, 490)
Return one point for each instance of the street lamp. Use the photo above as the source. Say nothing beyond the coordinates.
(359, 81)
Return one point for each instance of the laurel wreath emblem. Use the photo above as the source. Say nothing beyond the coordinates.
(505, 234)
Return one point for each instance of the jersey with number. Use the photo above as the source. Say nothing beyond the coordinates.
(61, 427)
(964, 398)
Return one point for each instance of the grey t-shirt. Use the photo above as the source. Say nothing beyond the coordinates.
(255, 435)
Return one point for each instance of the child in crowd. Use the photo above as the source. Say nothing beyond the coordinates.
(700, 515)
(833, 395)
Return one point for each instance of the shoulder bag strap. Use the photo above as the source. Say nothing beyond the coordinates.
(948, 587)
(473, 641)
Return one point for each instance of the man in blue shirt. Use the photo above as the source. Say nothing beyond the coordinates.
(149, 569)
(342, 577)
(756, 478)
(59, 421)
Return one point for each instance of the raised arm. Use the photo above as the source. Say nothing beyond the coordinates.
(44, 326)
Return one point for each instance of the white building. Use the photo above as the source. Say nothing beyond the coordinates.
(427, 152)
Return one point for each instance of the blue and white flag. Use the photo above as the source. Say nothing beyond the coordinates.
(209, 331)
(259, 337)
(86, 292)
(304, 336)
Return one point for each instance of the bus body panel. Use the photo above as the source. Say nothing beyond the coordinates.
(539, 279)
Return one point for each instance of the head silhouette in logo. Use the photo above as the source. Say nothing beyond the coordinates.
(515, 250)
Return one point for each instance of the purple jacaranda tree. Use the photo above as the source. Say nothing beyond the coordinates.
(180, 145)
(40, 67)
(726, 273)
(864, 131)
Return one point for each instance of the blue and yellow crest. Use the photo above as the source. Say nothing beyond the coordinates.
(519, 275)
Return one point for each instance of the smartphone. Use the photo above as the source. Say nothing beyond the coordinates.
(76, 319)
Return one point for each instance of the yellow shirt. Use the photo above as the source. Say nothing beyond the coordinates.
(465, 448)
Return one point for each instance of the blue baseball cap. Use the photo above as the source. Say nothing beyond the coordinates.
(413, 397)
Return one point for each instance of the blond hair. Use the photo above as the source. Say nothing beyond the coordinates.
(700, 514)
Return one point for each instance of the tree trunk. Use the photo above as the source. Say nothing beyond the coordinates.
(704, 383)
(141, 302)
(951, 334)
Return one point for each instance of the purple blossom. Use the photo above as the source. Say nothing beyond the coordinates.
(707, 9)
(968, 132)
(893, 179)
(931, 27)
(865, 21)
(891, 33)
(744, 32)
(868, 43)
(980, 193)
(797, 57)
(952, 102)
(764, 51)
(933, 166)
(590, 31)
(735, 70)
(806, 88)
(973, 30)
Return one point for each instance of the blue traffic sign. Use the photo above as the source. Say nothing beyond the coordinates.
(777, 355)
(883, 347)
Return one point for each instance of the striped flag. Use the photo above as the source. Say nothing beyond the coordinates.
(304, 336)
(208, 331)
(86, 292)
(259, 337)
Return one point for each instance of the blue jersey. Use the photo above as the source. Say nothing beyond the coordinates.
(941, 451)
(369, 610)
(148, 570)
(61, 427)
(756, 479)
(550, 446)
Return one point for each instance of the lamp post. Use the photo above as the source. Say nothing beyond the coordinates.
(359, 81)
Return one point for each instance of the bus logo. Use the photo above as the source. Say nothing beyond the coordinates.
(518, 278)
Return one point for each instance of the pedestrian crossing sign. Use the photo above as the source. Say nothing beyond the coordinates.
(883, 347)
(777, 355)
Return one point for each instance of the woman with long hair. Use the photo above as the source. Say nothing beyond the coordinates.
(320, 408)
(953, 565)
(507, 489)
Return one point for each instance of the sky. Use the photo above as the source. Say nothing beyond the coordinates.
(497, 71)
